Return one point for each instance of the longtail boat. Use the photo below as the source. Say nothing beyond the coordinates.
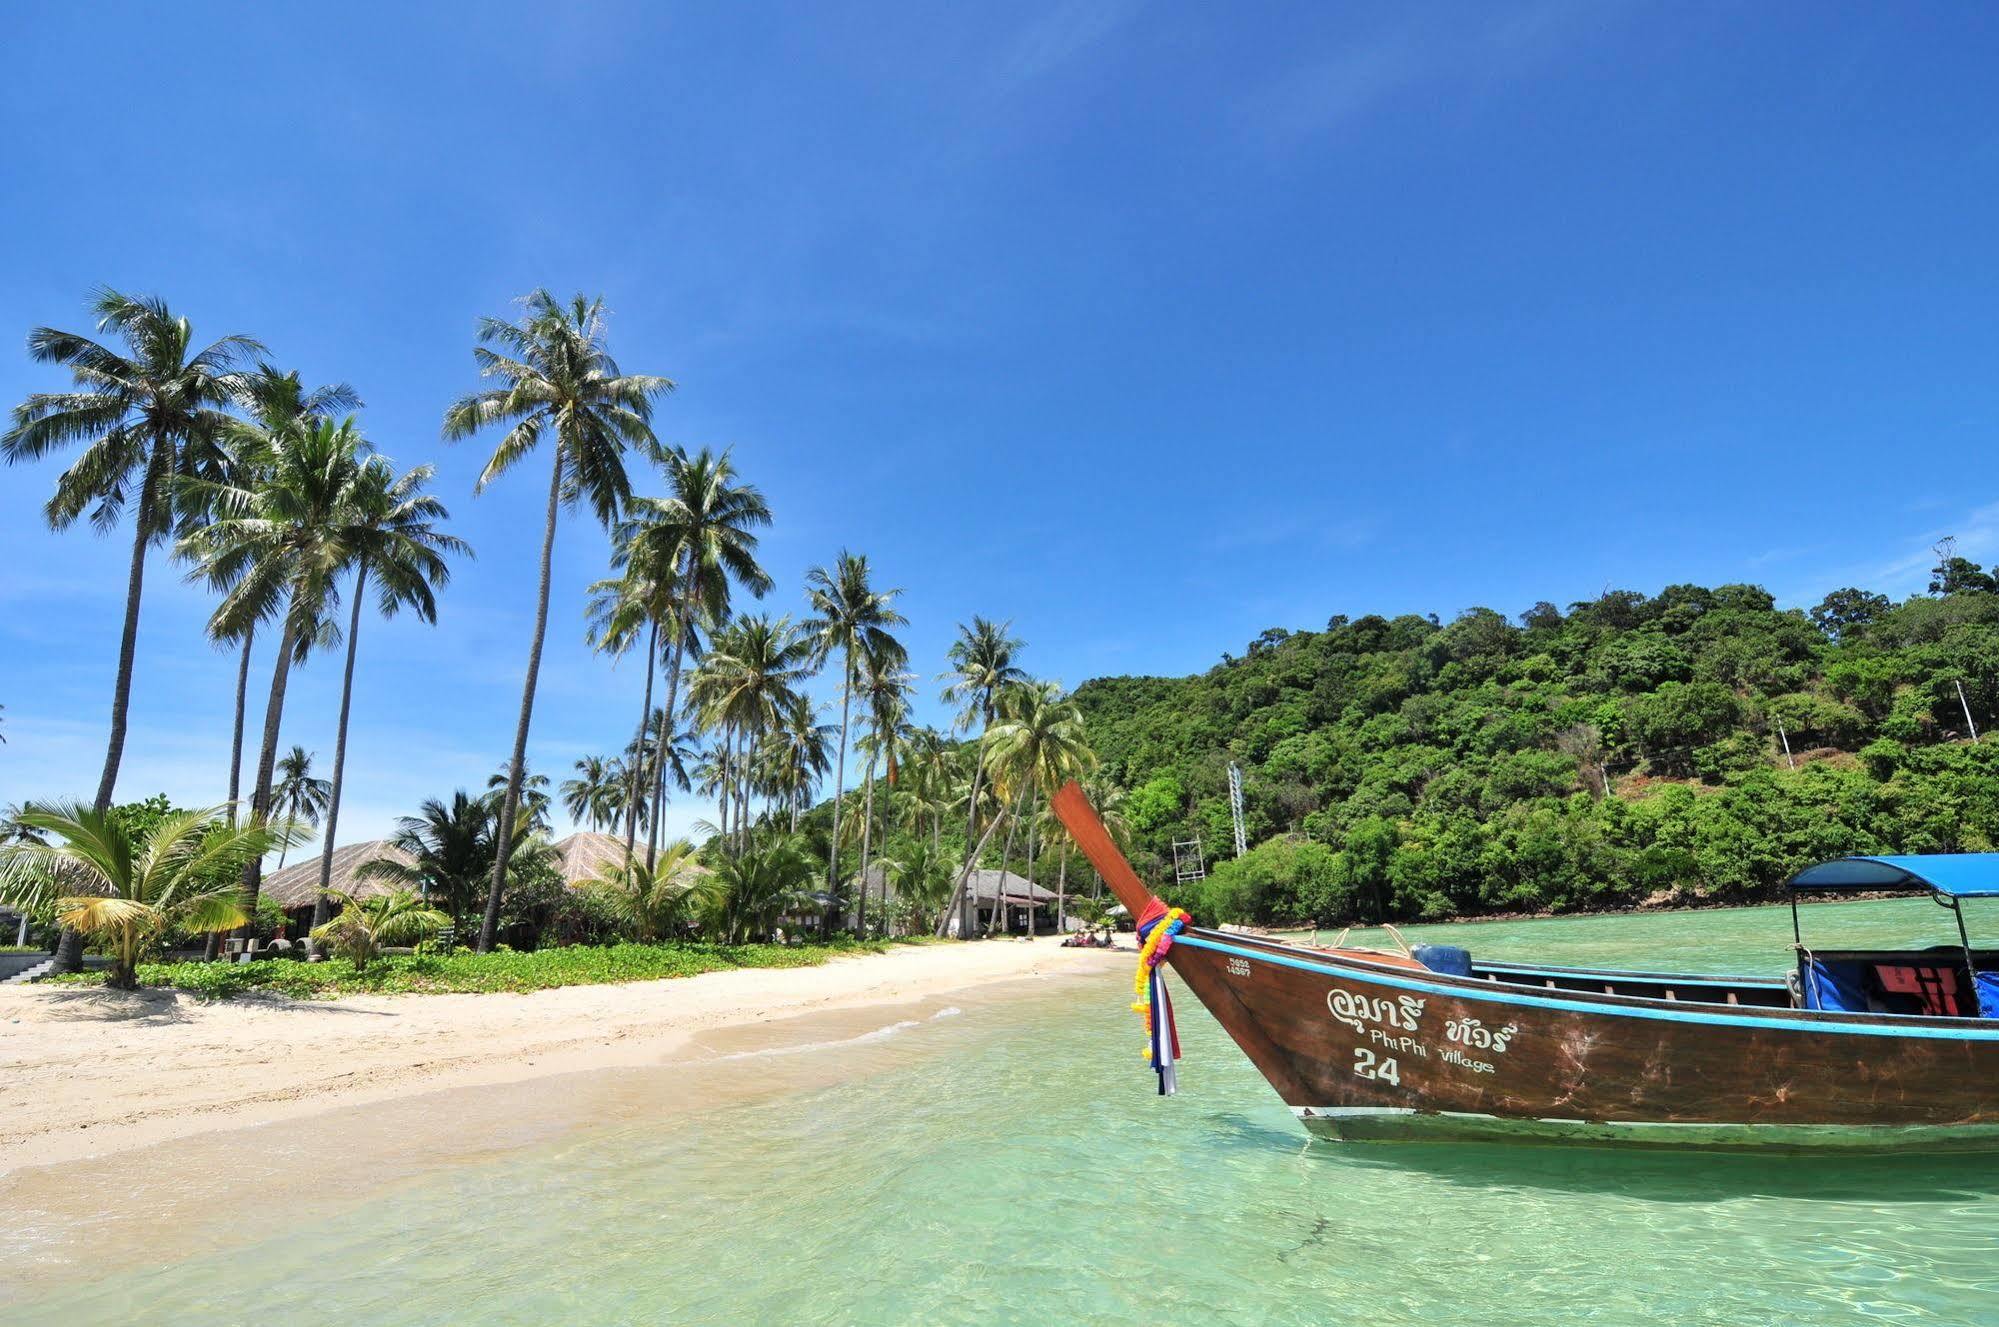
(1853, 1049)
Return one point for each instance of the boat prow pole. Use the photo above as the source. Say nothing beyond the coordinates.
(1087, 831)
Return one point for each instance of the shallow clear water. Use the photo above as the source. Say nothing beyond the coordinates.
(1008, 1163)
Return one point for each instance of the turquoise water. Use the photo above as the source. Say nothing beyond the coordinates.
(1732, 941)
(1004, 1161)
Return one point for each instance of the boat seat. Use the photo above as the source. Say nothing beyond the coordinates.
(1922, 988)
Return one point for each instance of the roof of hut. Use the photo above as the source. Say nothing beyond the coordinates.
(297, 886)
(583, 856)
(984, 885)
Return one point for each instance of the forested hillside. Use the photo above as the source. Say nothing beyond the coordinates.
(1628, 750)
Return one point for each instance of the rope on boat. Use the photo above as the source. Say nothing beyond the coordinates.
(1156, 929)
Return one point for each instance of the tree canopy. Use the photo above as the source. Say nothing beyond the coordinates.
(1699, 744)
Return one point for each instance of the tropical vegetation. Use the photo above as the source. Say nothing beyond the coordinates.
(1689, 746)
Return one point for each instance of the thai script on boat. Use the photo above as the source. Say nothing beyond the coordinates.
(1468, 1031)
(1357, 1011)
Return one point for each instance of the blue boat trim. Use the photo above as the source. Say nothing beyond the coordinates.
(1988, 1031)
(1628, 978)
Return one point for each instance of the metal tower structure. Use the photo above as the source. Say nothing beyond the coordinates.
(1187, 863)
(1235, 807)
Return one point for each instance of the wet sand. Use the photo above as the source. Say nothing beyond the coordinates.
(233, 1180)
(88, 1073)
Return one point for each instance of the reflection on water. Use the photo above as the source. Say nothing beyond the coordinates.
(1012, 1165)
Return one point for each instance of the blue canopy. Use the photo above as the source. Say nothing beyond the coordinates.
(1952, 874)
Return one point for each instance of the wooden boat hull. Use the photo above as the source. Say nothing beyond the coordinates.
(1364, 1051)
(1370, 1047)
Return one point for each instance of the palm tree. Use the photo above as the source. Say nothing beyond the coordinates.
(1037, 746)
(583, 796)
(273, 400)
(664, 759)
(928, 784)
(982, 666)
(885, 697)
(363, 926)
(298, 796)
(104, 882)
(657, 903)
(560, 380)
(392, 533)
(746, 687)
(618, 611)
(701, 541)
(531, 812)
(796, 756)
(450, 848)
(854, 618)
(758, 886)
(145, 418)
(922, 876)
(278, 550)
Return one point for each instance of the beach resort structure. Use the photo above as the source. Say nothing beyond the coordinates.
(1031, 908)
(580, 858)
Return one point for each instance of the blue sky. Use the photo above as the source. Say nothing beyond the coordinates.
(1148, 327)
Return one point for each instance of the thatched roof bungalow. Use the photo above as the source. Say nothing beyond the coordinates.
(297, 886)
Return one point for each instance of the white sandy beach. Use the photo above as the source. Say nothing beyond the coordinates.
(88, 1072)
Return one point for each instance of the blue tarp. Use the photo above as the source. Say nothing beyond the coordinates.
(1954, 874)
(1450, 960)
(1833, 986)
(1986, 984)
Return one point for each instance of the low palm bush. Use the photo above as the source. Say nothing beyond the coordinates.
(362, 926)
(124, 891)
(660, 901)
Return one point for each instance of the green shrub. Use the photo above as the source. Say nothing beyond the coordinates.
(578, 965)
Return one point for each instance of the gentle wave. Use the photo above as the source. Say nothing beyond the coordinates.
(879, 1034)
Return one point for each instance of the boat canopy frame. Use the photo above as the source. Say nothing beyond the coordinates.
(1949, 878)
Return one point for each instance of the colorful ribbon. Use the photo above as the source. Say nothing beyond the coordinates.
(1156, 929)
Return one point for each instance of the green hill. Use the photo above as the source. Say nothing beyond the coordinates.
(1626, 751)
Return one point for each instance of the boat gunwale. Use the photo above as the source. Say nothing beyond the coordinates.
(1547, 969)
(1584, 1002)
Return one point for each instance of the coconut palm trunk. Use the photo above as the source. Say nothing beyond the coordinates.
(128, 641)
(69, 944)
(236, 733)
(958, 896)
(665, 756)
(867, 842)
(267, 759)
(639, 745)
(1062, 892)
(1000, 919)
(1032, 800)
(320, 909)
(840, 780)
(510, 805)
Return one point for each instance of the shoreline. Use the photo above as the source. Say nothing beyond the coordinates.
(86, 1073)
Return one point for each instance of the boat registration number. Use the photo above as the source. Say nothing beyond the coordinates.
(1382, 1069)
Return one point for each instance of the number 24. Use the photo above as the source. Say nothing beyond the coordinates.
(1386, 1071)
